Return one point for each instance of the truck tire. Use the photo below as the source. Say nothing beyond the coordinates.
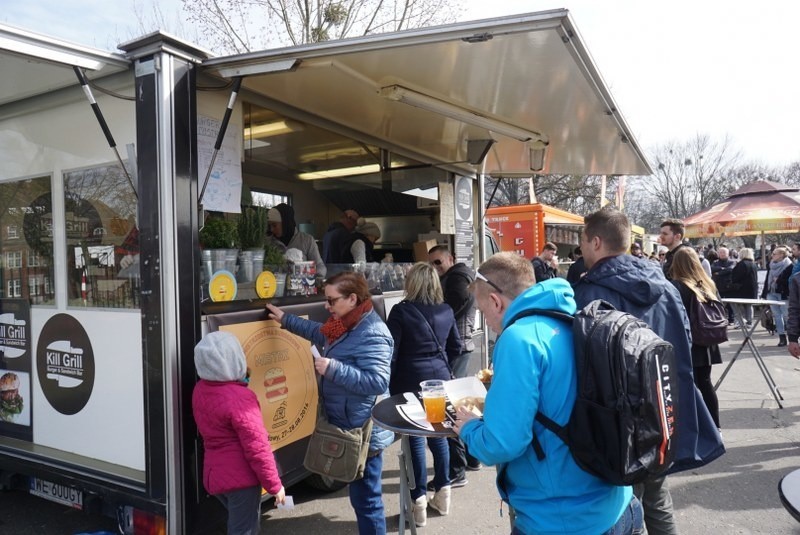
(324, 484)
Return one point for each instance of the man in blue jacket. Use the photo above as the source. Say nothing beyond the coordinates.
(534, 370)
(638, 287)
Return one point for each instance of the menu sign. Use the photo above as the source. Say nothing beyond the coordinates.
(282, 376)
(16, 418)
(465, 233)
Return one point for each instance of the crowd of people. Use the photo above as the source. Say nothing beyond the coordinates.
(429, 336)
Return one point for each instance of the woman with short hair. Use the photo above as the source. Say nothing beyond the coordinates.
(776, 288)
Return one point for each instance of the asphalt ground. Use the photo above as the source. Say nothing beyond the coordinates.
(736, 494)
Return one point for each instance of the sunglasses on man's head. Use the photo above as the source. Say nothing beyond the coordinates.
(481, 277)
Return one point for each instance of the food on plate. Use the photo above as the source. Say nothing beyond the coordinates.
(275, 383)
(473, 404)
(10, 401)
(485, 375)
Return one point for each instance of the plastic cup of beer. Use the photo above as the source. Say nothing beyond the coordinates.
(433, 398)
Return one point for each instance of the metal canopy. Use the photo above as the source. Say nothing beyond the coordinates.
(34, 64)
(528, 73)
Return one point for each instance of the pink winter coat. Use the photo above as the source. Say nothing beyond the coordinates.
(237, 450)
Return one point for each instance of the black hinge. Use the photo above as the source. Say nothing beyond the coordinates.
(478, 38)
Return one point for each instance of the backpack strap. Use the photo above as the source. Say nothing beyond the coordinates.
(548, 423)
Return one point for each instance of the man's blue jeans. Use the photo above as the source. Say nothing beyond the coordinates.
(365, 497)
(630, 523)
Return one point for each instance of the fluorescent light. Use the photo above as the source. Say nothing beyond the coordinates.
(399, 93)
(274, 128)
(331, 154)
(342, 171)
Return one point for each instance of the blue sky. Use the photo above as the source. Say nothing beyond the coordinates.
(675, 68)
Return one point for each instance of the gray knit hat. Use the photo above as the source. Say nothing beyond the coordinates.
(219, 357)
(368, 228)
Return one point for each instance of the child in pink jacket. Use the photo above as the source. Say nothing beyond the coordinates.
(238, 458)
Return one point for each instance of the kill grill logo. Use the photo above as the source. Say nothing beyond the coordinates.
(65, 364)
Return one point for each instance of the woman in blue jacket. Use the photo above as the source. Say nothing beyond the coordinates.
(357, 351)
(425, 341)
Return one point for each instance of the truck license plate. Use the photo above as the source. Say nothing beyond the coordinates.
(57, 493)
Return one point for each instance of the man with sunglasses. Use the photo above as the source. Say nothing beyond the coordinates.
(456, 278)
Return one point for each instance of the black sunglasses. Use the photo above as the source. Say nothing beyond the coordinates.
(481, 277)
(437, 262)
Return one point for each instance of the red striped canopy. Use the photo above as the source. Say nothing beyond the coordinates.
(755, 208)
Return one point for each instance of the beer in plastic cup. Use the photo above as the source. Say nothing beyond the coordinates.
(433, 398)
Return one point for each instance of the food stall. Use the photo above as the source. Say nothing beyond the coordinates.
(105, 287)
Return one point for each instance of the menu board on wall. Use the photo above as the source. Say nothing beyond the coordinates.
(464, 230)
(16, 414)
(447, 224)
(224, 190)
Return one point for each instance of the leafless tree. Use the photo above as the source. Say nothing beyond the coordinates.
(579, 194)
(237, 26)
(692, 175)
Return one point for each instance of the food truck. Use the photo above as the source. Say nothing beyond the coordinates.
(109, 163)
(525, 228)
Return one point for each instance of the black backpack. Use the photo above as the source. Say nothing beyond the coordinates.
(622, 427)
(709, 321)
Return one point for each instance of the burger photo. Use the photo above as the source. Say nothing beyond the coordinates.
(10, 400)
(275, 385)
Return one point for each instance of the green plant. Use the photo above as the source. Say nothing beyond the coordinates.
(219, 233)
(273, 256)
(252, 226)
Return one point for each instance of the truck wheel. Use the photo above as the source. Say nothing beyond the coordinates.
(325, 484)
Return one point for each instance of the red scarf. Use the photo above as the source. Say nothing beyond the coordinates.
(335, 328)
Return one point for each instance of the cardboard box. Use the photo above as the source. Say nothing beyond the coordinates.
(421, 249)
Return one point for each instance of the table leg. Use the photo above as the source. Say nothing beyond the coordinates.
(748, 341)
(406, 484)
(739, 318)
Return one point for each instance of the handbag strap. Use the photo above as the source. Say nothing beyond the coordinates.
(442, 352)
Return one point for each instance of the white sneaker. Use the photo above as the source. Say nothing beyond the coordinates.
(420, 511)
(441, 500)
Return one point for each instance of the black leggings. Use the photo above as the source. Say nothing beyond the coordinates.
(702, 379)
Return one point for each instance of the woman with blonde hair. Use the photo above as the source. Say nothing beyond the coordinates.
(426, 340)
(693, 283)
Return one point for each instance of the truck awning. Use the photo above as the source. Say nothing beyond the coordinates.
(34, 64)
(526, 81)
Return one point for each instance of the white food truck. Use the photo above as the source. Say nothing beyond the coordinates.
(103, 289)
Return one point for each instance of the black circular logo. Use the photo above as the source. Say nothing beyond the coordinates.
(464, 198)
(65, 364)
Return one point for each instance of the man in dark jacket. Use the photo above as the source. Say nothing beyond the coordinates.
(577, 269)
(721, 273)
(545, 266)
(793, 320)
(455, 279)
(336, 235)
(638, 287)
(671, 237)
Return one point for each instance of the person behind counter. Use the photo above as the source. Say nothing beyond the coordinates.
(359, 247)
(426, 341)
(354, 369)
(335, 237)
(284, 234)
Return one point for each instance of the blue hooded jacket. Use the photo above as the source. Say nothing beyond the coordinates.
(638, 287)
(534, 369)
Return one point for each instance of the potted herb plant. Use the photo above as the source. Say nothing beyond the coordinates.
(252, 227)
(219, 239)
